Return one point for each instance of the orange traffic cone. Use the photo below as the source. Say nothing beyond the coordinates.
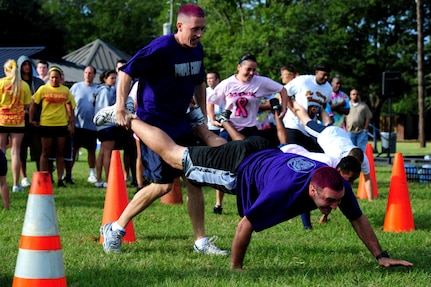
(175, 196)
(399, 215)
(370, 155)
(40, 259)
(116, 198)
(362, 193)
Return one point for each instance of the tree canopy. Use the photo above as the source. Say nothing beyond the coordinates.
(361, 39)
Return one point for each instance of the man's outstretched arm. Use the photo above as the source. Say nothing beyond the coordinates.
(365, 232)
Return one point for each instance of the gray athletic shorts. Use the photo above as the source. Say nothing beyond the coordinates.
(218, 166)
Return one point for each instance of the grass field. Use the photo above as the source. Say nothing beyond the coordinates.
(285, 255)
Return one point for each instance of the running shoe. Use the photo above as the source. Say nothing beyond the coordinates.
(25, 182)
(17, 188)
(100, 184)
(210, 249)
(92, 179)
(218, 209)
(107, 115)
(112, 239)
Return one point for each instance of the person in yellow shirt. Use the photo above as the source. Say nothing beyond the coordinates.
(15, 96)
(56, 120)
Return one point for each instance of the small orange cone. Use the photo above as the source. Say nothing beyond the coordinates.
(362, 193)
(175, 196)
(117, 198)
(399, 217)
(370, 155)
(40, 259)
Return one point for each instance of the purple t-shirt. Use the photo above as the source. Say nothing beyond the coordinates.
(272, 187)
(168, 74)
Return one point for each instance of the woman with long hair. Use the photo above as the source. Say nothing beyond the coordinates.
(15, 96)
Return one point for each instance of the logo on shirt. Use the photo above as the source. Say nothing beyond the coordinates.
(188, 69)
(301, 164)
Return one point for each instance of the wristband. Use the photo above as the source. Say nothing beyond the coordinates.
(384, 254)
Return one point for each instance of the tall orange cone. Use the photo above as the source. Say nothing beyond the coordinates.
(370, 155)
(116, 198)
(40, 259)
(399, 217)
(175, 195)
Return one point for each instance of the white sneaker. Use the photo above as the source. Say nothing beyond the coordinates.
(107, 115)
(17, 188)
(100, 184)
(210, 249)
(92, 179)
(25, 182)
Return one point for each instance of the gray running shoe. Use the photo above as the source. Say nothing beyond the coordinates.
(111, 239)
(224, 116)
(196, 117)
(210, 249)
(107, 115)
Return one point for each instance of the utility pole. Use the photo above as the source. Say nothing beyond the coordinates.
(167, 26)
(421, 99)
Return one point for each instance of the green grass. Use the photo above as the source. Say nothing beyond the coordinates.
(285, 255)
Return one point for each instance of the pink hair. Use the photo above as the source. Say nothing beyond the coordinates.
(327, 177)
(192, 10)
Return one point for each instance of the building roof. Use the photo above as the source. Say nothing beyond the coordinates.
(7, 53)
(98, 54)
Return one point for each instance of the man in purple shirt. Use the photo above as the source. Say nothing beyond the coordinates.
(170, 72)
(271, 186)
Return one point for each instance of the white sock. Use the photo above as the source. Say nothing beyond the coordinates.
(201, 242)
(116, 226)
(92, 171)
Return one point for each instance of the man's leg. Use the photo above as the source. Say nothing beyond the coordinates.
(159, 142)
(114, 232)
(196, 209)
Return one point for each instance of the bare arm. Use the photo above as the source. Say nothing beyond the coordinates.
(211, 114)
(71, 117)
(123, 87)
(369, 187)
(201, 98)
(31, 114)
(365, 232)
(240, 243)
(367, 123)
(286, 102)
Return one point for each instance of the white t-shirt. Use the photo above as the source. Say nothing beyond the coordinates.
(243, 98)
(336, 143)
(321, 157)
(306, 92)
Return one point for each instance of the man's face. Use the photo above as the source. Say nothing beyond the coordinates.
(287, 76)
(336, 85)
(190, 30)
(42, 69)
(354, 96)
(322, 77)
(89, 75)
(212, 81)
(325, 199)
